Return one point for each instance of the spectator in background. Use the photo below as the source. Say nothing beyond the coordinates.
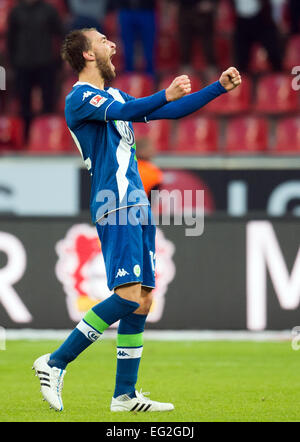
(294, 7)
(150, 174)
(86, 14)
(196, 20)
(32, 28)
(278, 7)
(255, 24)
(138, 23)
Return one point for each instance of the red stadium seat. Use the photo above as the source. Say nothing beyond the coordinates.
(235, 102)
(158, 131)
(198, 134)
(136, 85)
(288, 136)
(11, 134)
(246, 135)
(292, 54)
(49, 134)
(275, 95)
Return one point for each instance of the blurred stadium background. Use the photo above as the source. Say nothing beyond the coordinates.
(243, 150)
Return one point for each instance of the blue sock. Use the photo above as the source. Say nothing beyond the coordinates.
(90, 328)
(129, 352)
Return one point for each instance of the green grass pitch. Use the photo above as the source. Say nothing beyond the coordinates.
(206, 381)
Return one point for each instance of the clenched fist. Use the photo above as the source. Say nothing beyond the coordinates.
(230, 79)
(179, 87)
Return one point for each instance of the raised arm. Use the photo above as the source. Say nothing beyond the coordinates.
(138, 108)
(88, 104)
(229, 80)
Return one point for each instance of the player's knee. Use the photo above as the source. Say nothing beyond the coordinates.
(147, 306)
(146, 301)
(130, 292)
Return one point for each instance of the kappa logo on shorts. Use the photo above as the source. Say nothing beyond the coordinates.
(97, 100)
(121, 273)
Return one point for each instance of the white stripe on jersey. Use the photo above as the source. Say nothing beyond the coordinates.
(87, 162)
(123, 154)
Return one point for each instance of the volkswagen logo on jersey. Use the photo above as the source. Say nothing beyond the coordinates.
(81, 270)
(125, 131)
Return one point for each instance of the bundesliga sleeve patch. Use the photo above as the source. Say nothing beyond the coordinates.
(97, 100)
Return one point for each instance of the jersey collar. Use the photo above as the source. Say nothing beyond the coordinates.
(81, 83)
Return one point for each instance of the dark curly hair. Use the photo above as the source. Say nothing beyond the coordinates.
(75, 43)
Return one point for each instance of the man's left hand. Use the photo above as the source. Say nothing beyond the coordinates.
(230, 79)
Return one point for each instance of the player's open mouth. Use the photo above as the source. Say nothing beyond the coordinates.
(111, 57)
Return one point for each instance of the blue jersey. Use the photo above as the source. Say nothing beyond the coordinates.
(107, 147)
(100, 124)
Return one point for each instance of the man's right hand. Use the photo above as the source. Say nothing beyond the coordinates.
(179, 87)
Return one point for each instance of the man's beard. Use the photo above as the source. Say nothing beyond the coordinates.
(105, 69)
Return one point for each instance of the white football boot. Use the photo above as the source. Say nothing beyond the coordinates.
(51, 381)
(138, 403)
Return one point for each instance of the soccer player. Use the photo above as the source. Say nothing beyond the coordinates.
(100, 121)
